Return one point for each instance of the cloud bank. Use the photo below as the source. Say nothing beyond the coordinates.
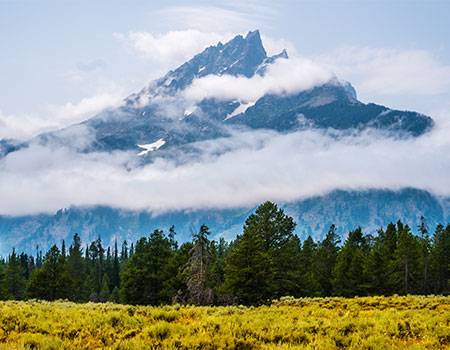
(242, 170)
(236, 17)
(23, 127)
(285, 76)
(173, 47)
(386, 71)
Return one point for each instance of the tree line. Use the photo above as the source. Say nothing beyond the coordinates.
(266, 261)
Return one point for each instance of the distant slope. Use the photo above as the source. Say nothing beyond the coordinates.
(368, 209)
(333, 105)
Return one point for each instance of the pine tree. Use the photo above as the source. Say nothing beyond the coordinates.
(107, 269)
(440, 260)
(124, 251)
(172, 235)
(406, 263)
(348, 273)
(177, 282)
(95, 268)
(38, 257)
(249, 272)
(145, 272)
(160, 253)
(134, 275)
(76, 270)
(271, 231)
(115, 296)
(217, 270)
(2, 280)
(390, 242)
(115, 271)
(14, 281)
(309, 281)
(131, 250)
(425, 250)
(63, 250)
(104, 292)
(325, 260)
(198, 267)
(276, 229)
(26, 265)
(377, 266)
(272, 225)
(50, 282)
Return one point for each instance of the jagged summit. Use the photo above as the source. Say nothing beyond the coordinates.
(282, 54)
(159, 113)
(240, 56)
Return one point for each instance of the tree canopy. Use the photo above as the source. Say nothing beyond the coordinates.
(266, 261)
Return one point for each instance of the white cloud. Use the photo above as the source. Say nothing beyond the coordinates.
(285, 76)
(242, 170)
(23, 127)
(19, 127)
(75, 112)
(189, 29)
(274, 46)
(173, 47)
(383, 71)
(236, 18)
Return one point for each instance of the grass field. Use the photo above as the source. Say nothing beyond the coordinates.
(319, 323)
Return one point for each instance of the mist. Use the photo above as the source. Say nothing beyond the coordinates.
(242, 170)
(285, 76)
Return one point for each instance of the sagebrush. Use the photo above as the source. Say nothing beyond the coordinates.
(398, 322)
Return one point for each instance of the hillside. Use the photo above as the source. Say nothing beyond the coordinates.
(346, 209)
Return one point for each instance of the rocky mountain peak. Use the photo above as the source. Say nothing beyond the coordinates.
(239, 56)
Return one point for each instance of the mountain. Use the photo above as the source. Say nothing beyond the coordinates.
(8, 146)
(333, 105)
(159, 111)
(346, 209)
(158, 121)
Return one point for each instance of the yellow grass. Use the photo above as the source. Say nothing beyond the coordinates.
(318, 323)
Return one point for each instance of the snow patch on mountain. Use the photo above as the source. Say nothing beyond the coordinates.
(240, 109)
(385, 112)
(150, 147)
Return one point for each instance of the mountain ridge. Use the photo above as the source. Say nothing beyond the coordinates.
(157, 111)
(369, 209)
(156, 117)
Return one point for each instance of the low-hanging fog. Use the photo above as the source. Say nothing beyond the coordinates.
(242, 170)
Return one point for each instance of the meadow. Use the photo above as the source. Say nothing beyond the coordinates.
(398, 322)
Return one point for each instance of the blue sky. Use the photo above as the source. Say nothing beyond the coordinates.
(67, 59)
